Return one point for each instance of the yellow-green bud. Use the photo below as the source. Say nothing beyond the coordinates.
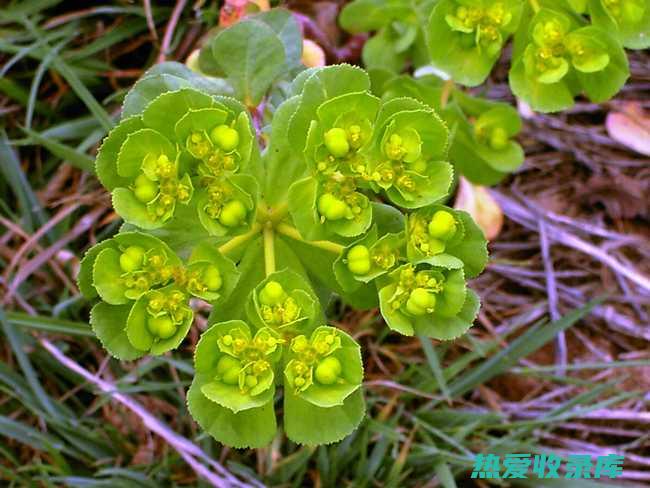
(331, 207)
(328, 370)
(233, 213)
(251, 381)
(498, 139)
(420, 302)
(228, 369)
(212, 278)
(336, 142)
(145, 189)
(359, 260)
(442, 225)
(225, 137)
(272, 294)
(162, 326)
(131, 259)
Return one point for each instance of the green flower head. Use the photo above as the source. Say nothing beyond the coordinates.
(324, 369)
(239, 366)
(183, 143)
(466, 36)
(425, 300)
(159, 320)
(285, 302)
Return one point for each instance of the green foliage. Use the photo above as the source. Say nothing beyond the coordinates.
(265, 236)
(561, 49)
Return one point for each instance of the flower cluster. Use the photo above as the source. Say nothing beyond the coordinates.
(473, 33)
(356, 145)
(185, 149)
(239, 363)
(202, 206)
(141, 275)
(483, 148)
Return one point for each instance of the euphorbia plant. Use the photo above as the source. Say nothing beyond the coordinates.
(343, 193)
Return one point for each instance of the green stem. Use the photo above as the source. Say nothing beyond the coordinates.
(447, 88)
(535, 5)
(293, 233)
(269, 249)
(239, 240)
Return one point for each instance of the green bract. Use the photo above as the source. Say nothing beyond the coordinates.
(629, 19)
(482, 147)
(559, 58)
(428, 300)
(466, 36)
(267, 225)
(399, 37)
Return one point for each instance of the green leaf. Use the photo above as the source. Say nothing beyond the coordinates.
(448, 328)
(252, 56)
(138, 325)
(107, 156)
(109, 324)
(107, 277)
(281, 160)
(207, 355)
(601, 85)
(166, 110)
(137, 147)
(298, 290)
(306, 423)
(380, 51)
(287, 29)
(370, 15)
(165, 77)
(467, 61)
(543, 97)
(251, 268)
(251, 428)
(631, 24)
(132, 210)
(302, 206)
(348, 356)
(318, 86)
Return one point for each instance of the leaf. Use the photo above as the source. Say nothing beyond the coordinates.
(370, 15)
(457, 52)
(448, 328)
(251, 268)
(318, 85)
(281, 160)
(542, 97)
(251, 428)
(302, 206)
(166, 110)
(204, 253)
(602, 85)
(147, 89)
(631, 30)
(106, 161)
(380, 52)
(287, 29)
(349, 356)
(137, 146)
(252, 56)
(138, 328)
(109, 324)
(107, 277)
(206, 357)
(165, 77)
(308, 424)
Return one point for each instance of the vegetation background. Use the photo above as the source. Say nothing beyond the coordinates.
(539, 372)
